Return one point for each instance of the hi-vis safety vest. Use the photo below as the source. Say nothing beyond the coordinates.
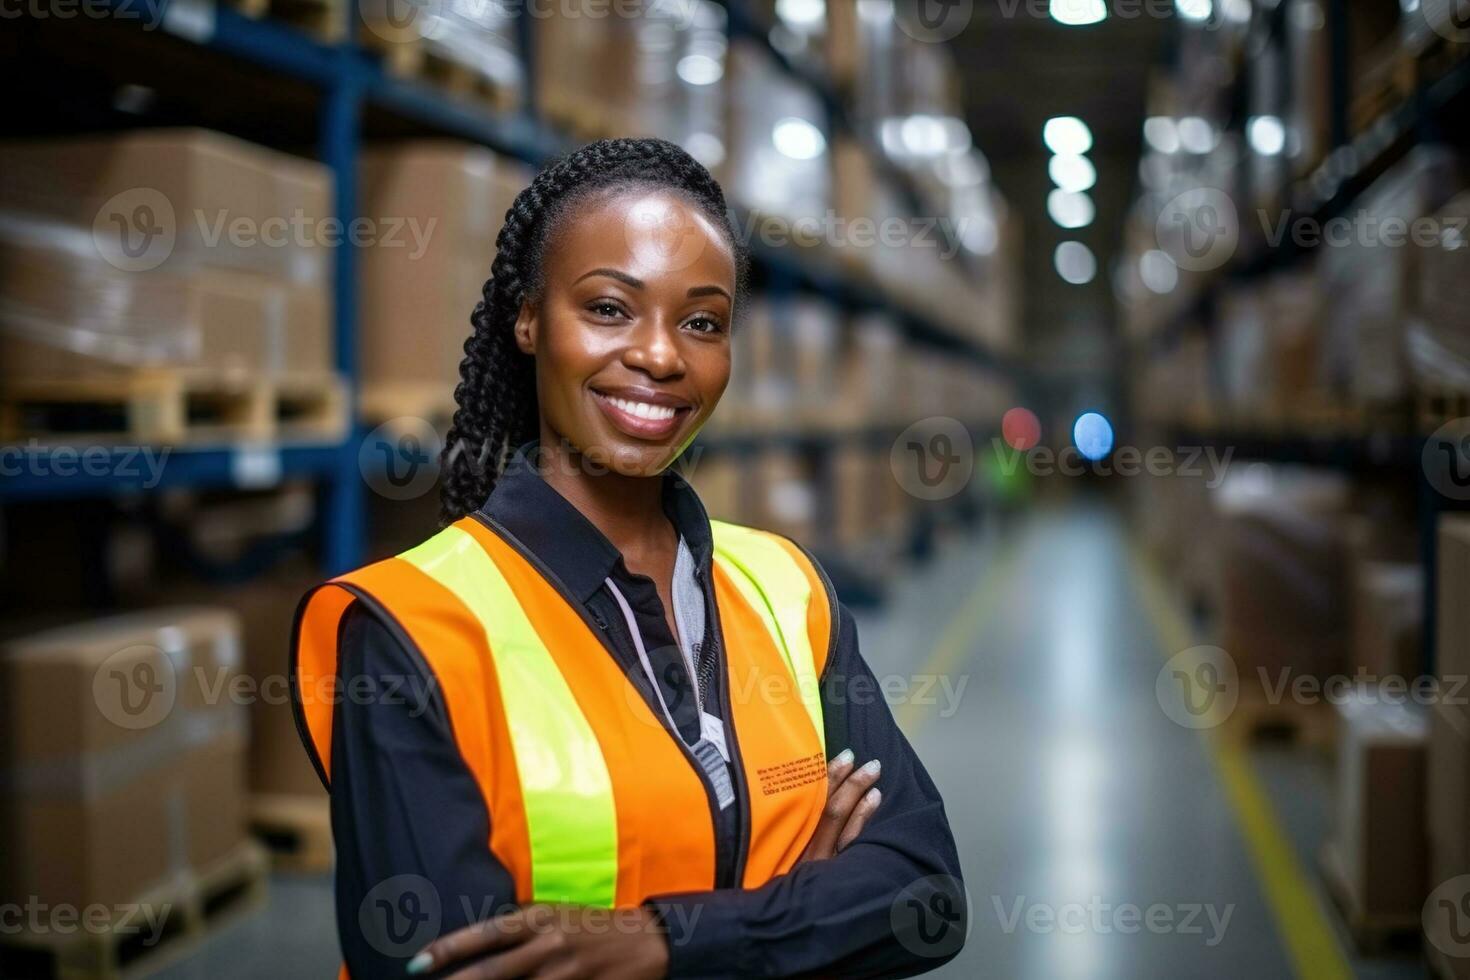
(593, 800)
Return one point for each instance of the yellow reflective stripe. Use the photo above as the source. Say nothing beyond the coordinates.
(778, 590)
(567, 791)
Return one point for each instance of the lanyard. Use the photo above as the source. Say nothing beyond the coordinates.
(709, 749)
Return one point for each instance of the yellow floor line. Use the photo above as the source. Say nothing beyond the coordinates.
(1309, 937)
(957, 641)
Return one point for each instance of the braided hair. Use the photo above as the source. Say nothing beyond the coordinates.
(496, 395)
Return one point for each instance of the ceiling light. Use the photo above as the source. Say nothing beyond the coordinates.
(1266, 134)
(1078, 13)
(1195, 10)
(1161, 133)
(798, 139)
(1196, 135)
(1072, 172)
(1066, 134)
(1070, 209)
(1158, 271)
(1075, 263)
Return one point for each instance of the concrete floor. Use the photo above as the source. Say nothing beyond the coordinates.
(1096, 836)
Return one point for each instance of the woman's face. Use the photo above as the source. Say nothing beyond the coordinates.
(632, 331)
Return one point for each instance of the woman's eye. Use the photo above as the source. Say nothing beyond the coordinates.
(606, 309)
(704, 324)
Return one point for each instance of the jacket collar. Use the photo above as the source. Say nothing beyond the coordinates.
(570, 545)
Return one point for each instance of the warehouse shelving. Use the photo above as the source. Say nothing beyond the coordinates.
(1432, 110)
(350, 82)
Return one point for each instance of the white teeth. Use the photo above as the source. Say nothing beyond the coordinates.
(643, 409)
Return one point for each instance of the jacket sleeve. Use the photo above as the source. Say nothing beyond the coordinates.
(410, 823)
(891, 904)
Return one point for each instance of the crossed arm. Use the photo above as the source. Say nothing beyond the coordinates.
(404, 805)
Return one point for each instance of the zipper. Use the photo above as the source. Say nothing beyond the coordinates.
(599, 629)
(742, 837)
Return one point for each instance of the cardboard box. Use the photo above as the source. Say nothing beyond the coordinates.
(1449, 791)
(1452, 632)
(66, 316)
(228, 203)
(123, 761)
(1380, 826)
(416, 296)
(1284, 573)
(1387, 616)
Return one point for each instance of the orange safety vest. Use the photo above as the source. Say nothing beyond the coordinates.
(594, 800)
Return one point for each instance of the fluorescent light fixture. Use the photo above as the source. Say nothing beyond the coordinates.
(1066, 135)
(1075, 263)
(1194, 10)
(798, 139)
(1161, 133)
(1266, 134)
(700, 69)
(1070, 209)
(1078, 13)
(1158, 271)
(1072, 172)
(1196, 135)
(802, 14)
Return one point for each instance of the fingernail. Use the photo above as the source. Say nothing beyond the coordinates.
(420, 963)
(843, 758)
(873, 796)
(871, 768)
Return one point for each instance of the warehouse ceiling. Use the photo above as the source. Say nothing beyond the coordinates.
(1019, 69)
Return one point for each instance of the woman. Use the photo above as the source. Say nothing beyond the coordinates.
(583, 694)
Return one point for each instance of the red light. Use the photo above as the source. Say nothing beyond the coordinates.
(1020, 428)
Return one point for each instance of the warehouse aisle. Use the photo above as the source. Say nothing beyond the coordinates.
(1065, 781)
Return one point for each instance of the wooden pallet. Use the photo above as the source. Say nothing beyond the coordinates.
(1443, 967)
(325, 20)
(180, 915)
(1433, 407)
(406, 55)
(296, 828)
(1257, 719)
(1373, 933)
(173, 406)
(432, 401)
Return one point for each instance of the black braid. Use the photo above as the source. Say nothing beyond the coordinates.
(496, 394)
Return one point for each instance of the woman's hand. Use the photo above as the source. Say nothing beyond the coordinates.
(551, 942)
(851, 800)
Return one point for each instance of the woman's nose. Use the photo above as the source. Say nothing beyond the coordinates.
(654, 349)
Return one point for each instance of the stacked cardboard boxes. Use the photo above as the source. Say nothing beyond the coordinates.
(1449, 732)
(176, 248)
(124, 755)
(449, 200)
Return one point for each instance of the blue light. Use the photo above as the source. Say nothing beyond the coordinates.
(1093, 435)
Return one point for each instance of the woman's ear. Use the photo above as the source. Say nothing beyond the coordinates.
(525, 329)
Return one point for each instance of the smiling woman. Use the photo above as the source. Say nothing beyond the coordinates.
(640, 754)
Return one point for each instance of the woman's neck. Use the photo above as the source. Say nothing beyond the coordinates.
(628, 510)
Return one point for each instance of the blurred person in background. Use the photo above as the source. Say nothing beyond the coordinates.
(624, 705)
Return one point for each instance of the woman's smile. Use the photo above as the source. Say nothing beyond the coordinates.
(643, 412)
